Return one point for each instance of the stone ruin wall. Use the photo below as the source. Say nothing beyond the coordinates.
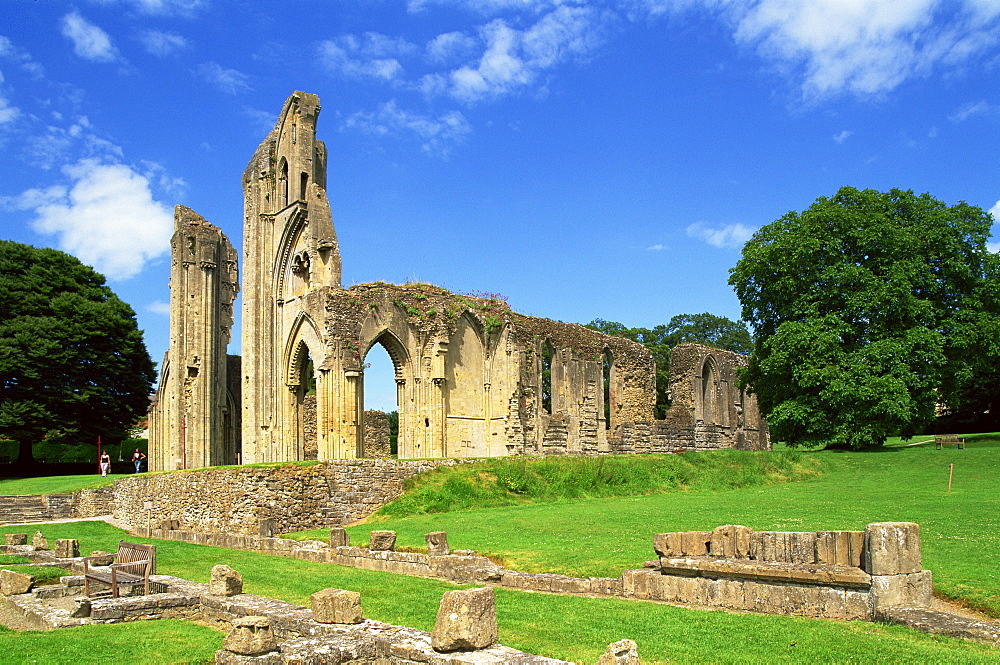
(235, 500)
(377, 433)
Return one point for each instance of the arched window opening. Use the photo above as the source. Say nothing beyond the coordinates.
(708, 389)
(608, 363)
(283, 184)
(547, 353)
(381, 395)
(303, 186)
(306, 403)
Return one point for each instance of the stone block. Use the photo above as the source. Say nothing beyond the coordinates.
(81, 608)
(437, 543)
(225, 581)
(892, 548)
(667, 544)
(906, 590)
(169, 525)
(802, 547)
(267, 527)
(101, 558)
(39, 542)
(251, 636)
(840, 548)
(336, 606)
(466, 620)
(783, 546)
(382, 541)
(12, 583)
(17, 539)
(695, 543)
(622, 652)
(730, 541)
(67, 548)
(339, 538)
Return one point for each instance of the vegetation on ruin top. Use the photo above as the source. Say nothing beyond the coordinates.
(53, 484)
(567, 627)
(511, 481)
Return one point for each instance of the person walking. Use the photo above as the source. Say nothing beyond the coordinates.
(105, 463)
(137, 458)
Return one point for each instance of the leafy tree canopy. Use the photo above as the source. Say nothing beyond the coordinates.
(867, 308)
(73, 364)
(717, 331)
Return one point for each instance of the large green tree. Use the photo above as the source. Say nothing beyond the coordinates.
(73, 364)
(867, 309)
(717, 331)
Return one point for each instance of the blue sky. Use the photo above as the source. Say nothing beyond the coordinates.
(584, 159)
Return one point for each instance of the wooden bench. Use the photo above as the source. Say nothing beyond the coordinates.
(132, 566)
(943, 440)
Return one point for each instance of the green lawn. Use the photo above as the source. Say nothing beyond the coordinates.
(567, 627)
(600, 537)
(53, 484)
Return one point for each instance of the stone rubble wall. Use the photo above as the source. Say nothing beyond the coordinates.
(815, 574)
(376, 437)
(44, 507)
(294, 498)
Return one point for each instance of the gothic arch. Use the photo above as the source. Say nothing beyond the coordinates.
(303, 338)
(395, 348)
(709, 397)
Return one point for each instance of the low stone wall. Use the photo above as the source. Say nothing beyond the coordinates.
(292, 498)
(44, 507)
(832, 574)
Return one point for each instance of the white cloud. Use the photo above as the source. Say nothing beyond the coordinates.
(486, 6)
(513, 59)
(107, 218)
(374, 55)
(89, 41)
(971, 109)
(11, 52)
(842, 135)
(159, 307)
(436, 135)
(161, 7)
(860, 47)
(658, 247)
(162, 44)
(227, 80)
(449, 47)
(264, 120)
(726, 237)
(995, 211)
(8, 113)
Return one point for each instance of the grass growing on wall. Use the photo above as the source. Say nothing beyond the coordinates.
(567, 627)
(512, 481)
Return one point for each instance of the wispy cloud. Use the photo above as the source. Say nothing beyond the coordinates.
(162, 44)
(971, 109)
(106, 217)
(724, 237)
(89, 41)
(373, 55)
(161, 7)
(656, 248)
(995, 211)
(436, 135)
(227, 80)
(159, 307)
(842, 136)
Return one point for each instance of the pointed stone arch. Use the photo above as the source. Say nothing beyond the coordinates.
(303, 338)
(710, 408)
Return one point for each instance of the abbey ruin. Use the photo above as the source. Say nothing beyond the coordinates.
(473, 378)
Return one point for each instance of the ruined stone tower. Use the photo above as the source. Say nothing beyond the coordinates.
(192, 421)
(291, 261)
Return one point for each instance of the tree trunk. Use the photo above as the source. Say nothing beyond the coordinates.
(24, 455)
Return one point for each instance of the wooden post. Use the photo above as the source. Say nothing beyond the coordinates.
(951, 470)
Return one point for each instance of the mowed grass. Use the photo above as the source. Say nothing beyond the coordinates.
(567, 627)
(960, 531)
(53, 484)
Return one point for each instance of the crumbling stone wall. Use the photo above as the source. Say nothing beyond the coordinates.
(235, 500)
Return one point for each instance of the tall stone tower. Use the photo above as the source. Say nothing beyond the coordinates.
(192, 418)
(291, 261)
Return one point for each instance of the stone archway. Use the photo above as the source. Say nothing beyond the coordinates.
(400, 361)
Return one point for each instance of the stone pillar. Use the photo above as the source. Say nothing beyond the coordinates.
(39, 542)
(731, 542)
(225, 582)
(339, 538)
(466, 620)
(336, 606)
(437, 543)
(67, 548)
(382, 541)
(891, 548)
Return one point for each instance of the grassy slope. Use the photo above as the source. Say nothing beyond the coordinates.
(560, 626)
(52, 484)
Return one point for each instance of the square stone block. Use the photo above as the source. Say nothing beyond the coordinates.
(840, 548)
(225, 581)
(336, 606)
(339, 538)
(12, 583)
(437, 543)
(731, 542)
(67, 548)
(892, 548)
(17, 538)
(466, 620)
(382, 541)
(251, 636)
